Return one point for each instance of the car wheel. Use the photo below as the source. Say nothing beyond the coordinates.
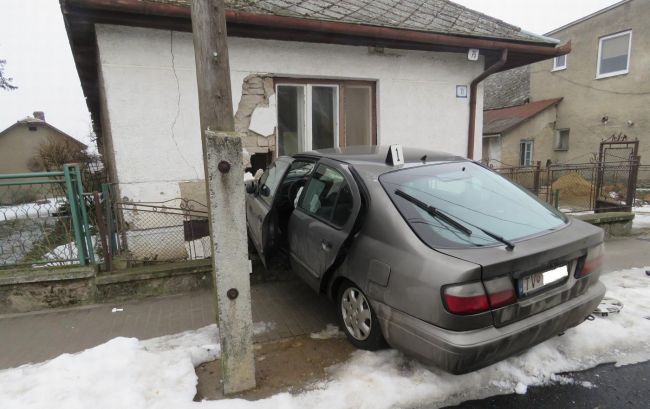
(358, 319)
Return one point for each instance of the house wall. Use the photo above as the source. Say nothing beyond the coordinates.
(151, 99)
(539, 129)
(492, 150)
(587, 99)
(19, 145)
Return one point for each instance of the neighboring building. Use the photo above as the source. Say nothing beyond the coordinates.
(20, 142)
(603, 83)
(521, 135)
(305, 74)
(19, 150)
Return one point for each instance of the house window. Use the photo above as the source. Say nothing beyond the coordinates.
(559, 63)
(324, 114)
(526, 153)
(614, 54)
(562, 140)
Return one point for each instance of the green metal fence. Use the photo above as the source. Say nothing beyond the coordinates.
(45, 220)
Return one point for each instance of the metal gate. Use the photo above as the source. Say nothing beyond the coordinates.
(618, 165)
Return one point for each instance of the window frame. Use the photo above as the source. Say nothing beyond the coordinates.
(522, 143)
(339, 103)
(321, 219)
(600, 50)
(560, 67)
(557, 146)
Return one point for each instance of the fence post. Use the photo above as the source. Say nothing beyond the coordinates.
(84, 216)
(101, 230)
(74, 214)
(549, 184)
(632, 179)
(538, 167)
(108, 215)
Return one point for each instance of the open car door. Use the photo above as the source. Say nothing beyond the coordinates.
(260, 205)
(323, 220)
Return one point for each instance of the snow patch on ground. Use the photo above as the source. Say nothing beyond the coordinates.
(42, 208)
(159, 373)
(641, 217)
(330, 331)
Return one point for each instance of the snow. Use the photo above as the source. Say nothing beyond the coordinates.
(641, 217)
(65, 254)
(159, 373)
(43, 208)
(330, 331)
(521, 389)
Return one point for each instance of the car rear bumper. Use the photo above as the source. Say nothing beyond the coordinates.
(466, 351)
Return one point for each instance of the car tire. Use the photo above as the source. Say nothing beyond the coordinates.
(358, 319)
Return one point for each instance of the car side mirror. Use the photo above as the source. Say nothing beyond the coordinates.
(251, 186)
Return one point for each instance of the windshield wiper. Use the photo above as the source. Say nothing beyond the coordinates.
(434, 212)
(509, 245)
(440, 215)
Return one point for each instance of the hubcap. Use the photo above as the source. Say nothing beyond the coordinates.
(356, 313)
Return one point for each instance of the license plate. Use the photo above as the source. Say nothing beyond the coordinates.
(536, 281)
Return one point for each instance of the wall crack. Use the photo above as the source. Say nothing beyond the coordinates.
(178, 105)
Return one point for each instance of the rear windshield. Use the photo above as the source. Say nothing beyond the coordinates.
(473, 196)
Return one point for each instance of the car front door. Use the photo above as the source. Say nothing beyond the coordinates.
(323, 220)
(259, 206)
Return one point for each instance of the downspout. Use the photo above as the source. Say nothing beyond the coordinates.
(472, 100)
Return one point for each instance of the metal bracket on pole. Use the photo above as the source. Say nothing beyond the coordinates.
(225, 173)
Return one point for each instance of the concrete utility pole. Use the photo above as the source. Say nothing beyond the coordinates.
(224, 175)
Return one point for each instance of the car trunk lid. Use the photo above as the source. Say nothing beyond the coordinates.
(552, 258)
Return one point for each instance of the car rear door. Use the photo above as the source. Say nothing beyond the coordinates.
(259, 206)
(323, 220)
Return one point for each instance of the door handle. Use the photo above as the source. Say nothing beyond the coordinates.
(326, 246)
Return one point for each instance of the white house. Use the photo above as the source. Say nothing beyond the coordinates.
(306, 74)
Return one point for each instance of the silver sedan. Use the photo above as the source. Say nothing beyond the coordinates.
(433, 254)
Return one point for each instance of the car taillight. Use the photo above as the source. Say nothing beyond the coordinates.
(500, 292)
(593, 262)
(466, 299)
(473, 298)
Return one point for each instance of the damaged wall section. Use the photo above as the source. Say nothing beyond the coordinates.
(256, 113)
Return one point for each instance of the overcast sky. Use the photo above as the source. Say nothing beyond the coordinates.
(34, 43)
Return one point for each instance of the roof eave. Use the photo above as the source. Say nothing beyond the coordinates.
(147, 14)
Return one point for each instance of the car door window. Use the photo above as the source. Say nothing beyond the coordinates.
(270, 180)
(328, 196)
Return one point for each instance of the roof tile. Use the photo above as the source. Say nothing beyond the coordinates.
(496, 121)
(438, 16)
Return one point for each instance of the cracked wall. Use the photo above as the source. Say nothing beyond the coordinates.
(151, 98)
(255, 116)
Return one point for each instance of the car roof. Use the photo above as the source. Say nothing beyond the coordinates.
(372, 159)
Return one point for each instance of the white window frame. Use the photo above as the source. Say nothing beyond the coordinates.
(558, 139)
(560, 67)
(600, 49)
(306, 143)
(526, 142)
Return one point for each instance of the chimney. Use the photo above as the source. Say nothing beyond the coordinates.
(39, 115)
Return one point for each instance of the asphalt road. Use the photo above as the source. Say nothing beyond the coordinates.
(615, 388)
(624, 387)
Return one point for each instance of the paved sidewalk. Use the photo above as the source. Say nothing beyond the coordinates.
(291, 306)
